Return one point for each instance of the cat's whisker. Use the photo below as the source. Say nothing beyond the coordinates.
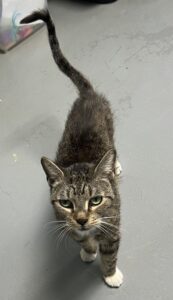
(112, 217)
(65, 231)
(95, 223)
(55, 222)
(108, 229)
(54, 230)
(54, 225)
(109, 224)
(66, 238)
(103, 230)
(63, 235)
(58, 241)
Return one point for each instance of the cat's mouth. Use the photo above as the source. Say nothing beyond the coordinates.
(85, 231)
(83, 228)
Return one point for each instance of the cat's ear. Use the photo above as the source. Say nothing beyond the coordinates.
(106, 165)
(53, 172)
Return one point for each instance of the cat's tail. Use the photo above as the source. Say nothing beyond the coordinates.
(78, 79)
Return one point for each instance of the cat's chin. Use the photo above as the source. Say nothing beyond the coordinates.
(83, 233)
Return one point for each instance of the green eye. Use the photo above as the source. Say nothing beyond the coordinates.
(66, 203)
(95, 200)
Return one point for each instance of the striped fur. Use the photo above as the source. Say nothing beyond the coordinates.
(84, 168)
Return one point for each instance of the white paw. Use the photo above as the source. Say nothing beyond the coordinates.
(118, 168)
(87, 257)
(115, 280)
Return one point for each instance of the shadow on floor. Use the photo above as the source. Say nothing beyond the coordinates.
(72, 281)
(68, 277)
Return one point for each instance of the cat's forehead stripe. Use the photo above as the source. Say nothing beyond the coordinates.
(72, 191)
(78, 190)
(83, 188)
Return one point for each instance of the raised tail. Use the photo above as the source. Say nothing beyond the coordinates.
(82, 84)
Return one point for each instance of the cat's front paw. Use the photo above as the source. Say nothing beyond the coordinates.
(87, 257)
(115, 280)
(118, 168)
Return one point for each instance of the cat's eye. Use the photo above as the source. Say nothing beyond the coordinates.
(66, 203)
(95, 201)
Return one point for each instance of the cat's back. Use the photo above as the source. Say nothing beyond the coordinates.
(88, 131)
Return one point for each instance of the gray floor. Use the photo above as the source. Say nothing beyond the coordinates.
(126, 49)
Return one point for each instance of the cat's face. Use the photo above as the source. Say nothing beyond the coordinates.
(82, 194)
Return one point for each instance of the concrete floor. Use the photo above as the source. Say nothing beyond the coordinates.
(126, 49)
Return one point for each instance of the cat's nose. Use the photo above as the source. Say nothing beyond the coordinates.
(82, 221)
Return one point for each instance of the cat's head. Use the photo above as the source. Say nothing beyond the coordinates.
(82, 194)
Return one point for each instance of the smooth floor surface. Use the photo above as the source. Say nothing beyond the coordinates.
(126, 49)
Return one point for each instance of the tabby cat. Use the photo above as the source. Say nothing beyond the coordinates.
(83, 176)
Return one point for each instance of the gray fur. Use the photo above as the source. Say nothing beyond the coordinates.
(84, 166)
